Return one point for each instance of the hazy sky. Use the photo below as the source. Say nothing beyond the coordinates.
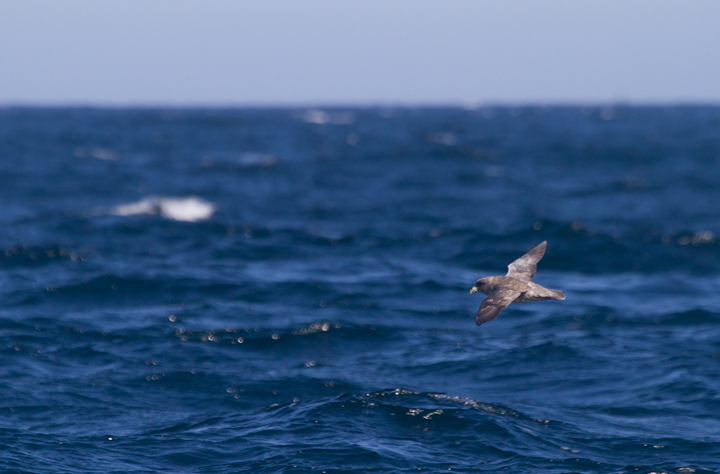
(324, 52)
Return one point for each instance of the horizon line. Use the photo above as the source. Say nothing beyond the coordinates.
(360, 105)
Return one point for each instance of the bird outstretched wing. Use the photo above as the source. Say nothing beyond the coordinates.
(494, 304)
(523, 268)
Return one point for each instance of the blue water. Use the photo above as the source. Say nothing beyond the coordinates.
(272, 290)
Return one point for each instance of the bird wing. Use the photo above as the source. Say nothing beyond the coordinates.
(523, 268)
(494, 304)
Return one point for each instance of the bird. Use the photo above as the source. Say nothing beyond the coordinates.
(515, 287)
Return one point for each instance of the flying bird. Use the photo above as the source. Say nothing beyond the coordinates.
(515, 287)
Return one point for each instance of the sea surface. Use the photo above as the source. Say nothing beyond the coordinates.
(287, 290)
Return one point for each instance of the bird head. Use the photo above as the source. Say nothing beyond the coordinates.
(480, 285)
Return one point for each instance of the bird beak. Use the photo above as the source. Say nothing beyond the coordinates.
(473, 289)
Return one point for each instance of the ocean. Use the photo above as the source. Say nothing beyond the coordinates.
(287, 290)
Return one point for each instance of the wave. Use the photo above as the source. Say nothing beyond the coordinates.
(571, 246)
(27, 255)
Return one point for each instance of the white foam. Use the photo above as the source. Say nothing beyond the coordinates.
(146, 206)
(188, 209)
(321, 117)
(316, 116)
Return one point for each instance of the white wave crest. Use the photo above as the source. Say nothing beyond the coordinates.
(188, 209)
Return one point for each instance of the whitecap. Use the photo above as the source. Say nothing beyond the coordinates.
(316, 116)
(321, 117)
(188, 209)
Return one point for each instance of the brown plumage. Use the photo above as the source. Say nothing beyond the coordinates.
(515, 287)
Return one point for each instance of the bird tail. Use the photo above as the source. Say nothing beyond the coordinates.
(557, 295)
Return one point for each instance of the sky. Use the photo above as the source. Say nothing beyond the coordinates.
(358, 52)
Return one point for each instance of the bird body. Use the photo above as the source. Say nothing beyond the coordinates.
(515, 287)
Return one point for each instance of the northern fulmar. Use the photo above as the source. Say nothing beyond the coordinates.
(515, 287)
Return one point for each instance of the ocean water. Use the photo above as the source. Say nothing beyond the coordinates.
(287, 290)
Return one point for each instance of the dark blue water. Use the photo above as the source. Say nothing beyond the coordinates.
(220, 291)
